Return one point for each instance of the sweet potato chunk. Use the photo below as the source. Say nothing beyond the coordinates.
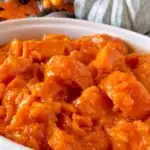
(97, 139)
(140, 63)
(100, 41)
(128, 95)
(109, 60)
(49, 90)
(16, 47)
(13, 66)
(17, 82)
(60, 140)
(130, 135)
(55, 37)
(69, 70)
(93, 102)
(46, 48)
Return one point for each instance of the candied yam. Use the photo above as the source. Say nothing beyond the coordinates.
(46, 48)
(41, 112)
(82, 121)
(92, 103)
(67, 108)
(118, 45)
(4, 52)
(17, 82)
(50, 48)
(21, 96)
(81, 125)
(92, 69)
(2, 127)
(95, 42)
(96, 139)
(141, 68)
(55, 36)
(128, 95)
(32, 143)
(64, 122)
(49, 90)
(9, 103)
(22, 111)
(28, 47)
(2, 112)
(2, 91)
(101, 40)
(4, 48)
(69, 70)
(91, 135)
(3, 56)
(31, 135)
(85, 56)
(130, 135)
(13, 66)
(132, 60)
(64, 94)
(109, 59)
(60, 140)
(16, 47)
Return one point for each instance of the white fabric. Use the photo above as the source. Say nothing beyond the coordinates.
(130, 14)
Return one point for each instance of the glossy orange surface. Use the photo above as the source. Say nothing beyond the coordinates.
(85, 94)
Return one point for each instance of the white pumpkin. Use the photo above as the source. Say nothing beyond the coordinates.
(129, 14)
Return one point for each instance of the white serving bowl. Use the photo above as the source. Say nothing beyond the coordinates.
(36, 27)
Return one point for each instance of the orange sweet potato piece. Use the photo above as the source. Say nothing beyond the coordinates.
(101, 40)
(31, 135)
(118, 45)
(96, 42)
(91, 136)
(9, 103)
(128, 135)
(41, 112)
(13, 66)
(46, 48)
(2, 112)
(85, 56)
(2, 91)
(4, 52)
(49, 90)
(109, 59)
(86, 48)
(96, 139)
(55, 37)
(140, 63)
(60, 140)
(69, 70)
(128, 94)
(16, 47)
(22, 111)
(17, 82)
(93, 103)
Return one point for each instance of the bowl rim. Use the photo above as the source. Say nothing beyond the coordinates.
(69, 21)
